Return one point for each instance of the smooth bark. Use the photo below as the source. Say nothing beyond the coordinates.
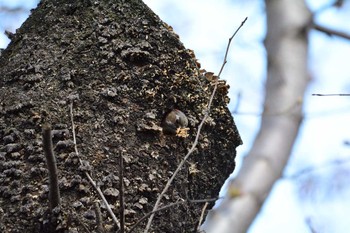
(286, 44)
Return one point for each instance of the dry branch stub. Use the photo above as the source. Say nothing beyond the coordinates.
(124, 69)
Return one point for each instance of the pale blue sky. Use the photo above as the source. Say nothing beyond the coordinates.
(205, 26)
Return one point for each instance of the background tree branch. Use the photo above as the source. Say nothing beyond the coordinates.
(330, 31)
(287, 78)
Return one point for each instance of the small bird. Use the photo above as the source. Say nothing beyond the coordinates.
(174, 120)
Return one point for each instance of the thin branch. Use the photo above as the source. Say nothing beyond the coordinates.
(121, 193)
(330, 31)
(205, 200)
(338, 3)
(327, 6)
(78, 218)
(100, 228)
(307, 170)
(202, 216)
(197, 135)
(14, 10)
(152, 213)
(238, 101)
(228, 45)
(307, 115)
(330, 94)
(54, 191)
(310, 225)
(109, 210)
(168, 206)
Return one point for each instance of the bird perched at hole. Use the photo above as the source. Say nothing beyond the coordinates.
(174, 120)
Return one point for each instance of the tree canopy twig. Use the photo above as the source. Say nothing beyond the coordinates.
(331, 94)
(330, 31)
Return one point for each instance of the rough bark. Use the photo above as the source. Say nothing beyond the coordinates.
(123, 69)
(286, 45)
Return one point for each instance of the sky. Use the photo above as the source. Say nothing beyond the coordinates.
(320, 197)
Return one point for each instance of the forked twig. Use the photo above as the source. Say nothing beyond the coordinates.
(197, 135)
(115, 220)
(152, 212)
(168, 206)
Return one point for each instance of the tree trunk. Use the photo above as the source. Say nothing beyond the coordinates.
(123, 70)
(287, 78)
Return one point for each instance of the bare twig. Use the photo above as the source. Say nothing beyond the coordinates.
(168, 206)
(100, 228)
(152, 213)
(338, 3)
(202, 216)
(331, 94)
(54, 191)
(115, 220)
(205, 200)
(121, 193)
(14, 10)
(330, 31)
(327, 6)
(310, 225)
(197, 135)
(228, 45)
(78, 217)
(334, 163)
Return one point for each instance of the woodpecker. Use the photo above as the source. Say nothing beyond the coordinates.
(174, 120)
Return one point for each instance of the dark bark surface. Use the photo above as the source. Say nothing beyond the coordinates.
(123, 69)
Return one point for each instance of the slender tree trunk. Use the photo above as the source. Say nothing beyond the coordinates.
(286, 44)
